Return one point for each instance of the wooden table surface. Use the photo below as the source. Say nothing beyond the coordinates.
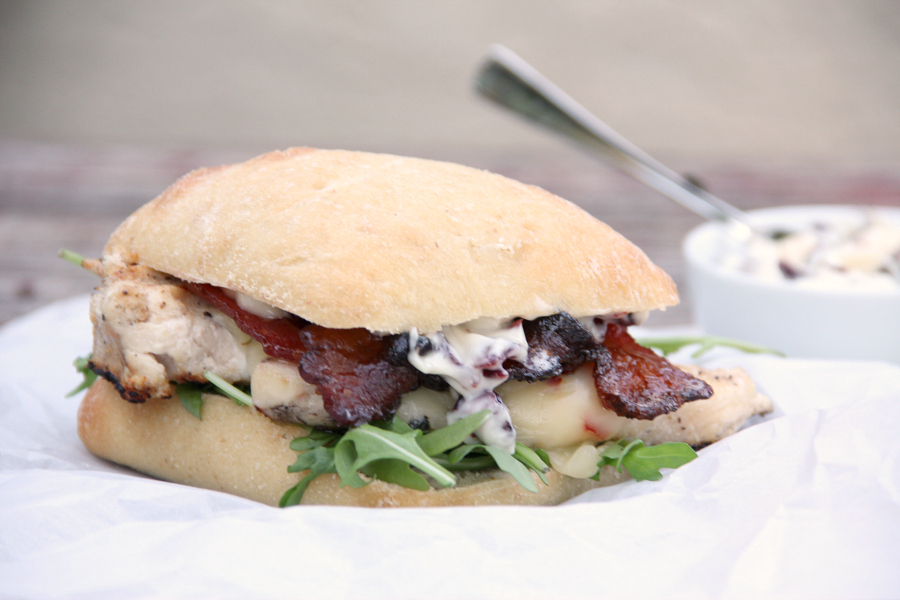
(56, 196)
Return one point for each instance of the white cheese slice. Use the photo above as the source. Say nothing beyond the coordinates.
(559, 412)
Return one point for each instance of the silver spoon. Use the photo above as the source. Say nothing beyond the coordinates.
(514, 84)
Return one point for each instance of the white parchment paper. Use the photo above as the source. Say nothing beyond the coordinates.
(805, 504)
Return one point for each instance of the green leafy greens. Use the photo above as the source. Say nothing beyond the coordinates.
(386, 455)
(317, 456)
(668, 345)
(191, 393)
(511, 463)
(70, 256)
(81, 365)
(642, 462)
(191, 396)
(396, 453)
(232, 391)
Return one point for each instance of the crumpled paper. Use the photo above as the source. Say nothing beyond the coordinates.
(805, 503)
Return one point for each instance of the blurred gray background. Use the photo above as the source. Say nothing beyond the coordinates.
(103, 103)
(800, 80)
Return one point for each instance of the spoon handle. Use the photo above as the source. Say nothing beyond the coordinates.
(511, 82)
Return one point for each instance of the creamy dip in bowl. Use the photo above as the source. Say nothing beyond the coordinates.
(817, 281)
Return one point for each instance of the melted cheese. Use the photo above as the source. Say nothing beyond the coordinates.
(559, 412)
(578, 461)
(424, 408)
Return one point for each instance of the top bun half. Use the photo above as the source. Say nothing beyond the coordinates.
(351, 239)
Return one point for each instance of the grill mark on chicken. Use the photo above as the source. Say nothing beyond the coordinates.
(135, 396)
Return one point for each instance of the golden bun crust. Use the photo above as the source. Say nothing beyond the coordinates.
(237, 450)
(351, 239)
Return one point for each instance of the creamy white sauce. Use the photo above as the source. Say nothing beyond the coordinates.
(470, 358)
(255, 306)
(597, 325)
(847, 254)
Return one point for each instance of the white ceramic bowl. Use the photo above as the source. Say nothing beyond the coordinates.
(812, 323)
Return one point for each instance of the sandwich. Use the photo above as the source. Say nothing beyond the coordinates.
(332, 327)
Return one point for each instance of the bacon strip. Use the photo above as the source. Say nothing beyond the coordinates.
(354, 373)
(556, 344)
(358, 374)
(635, 382)
(631, 380)
(280, 338)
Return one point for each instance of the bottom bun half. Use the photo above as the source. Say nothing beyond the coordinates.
(236, 450)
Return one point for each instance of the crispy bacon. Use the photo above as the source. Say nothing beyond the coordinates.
(355, 373)
(556, 344)
(631, 380)
(280, 338)
(635, 382)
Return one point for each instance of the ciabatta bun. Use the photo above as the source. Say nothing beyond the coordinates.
(237, 450)
(350, 239)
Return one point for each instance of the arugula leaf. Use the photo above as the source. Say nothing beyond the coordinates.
(642, 462)
(532, 460)
(543, 456)
(451, 436)
(508, 463)
(228, 389)
(367, 443)
(318, 460)
(313, 439)
(81, 365)
(669, 345)
(388, 451)
(397, 426)
(191, 393)
(316, 454)
(70, 256)
(191, 397)
(477, 462)
(397, 471)
(504, 461)
(615, 452)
